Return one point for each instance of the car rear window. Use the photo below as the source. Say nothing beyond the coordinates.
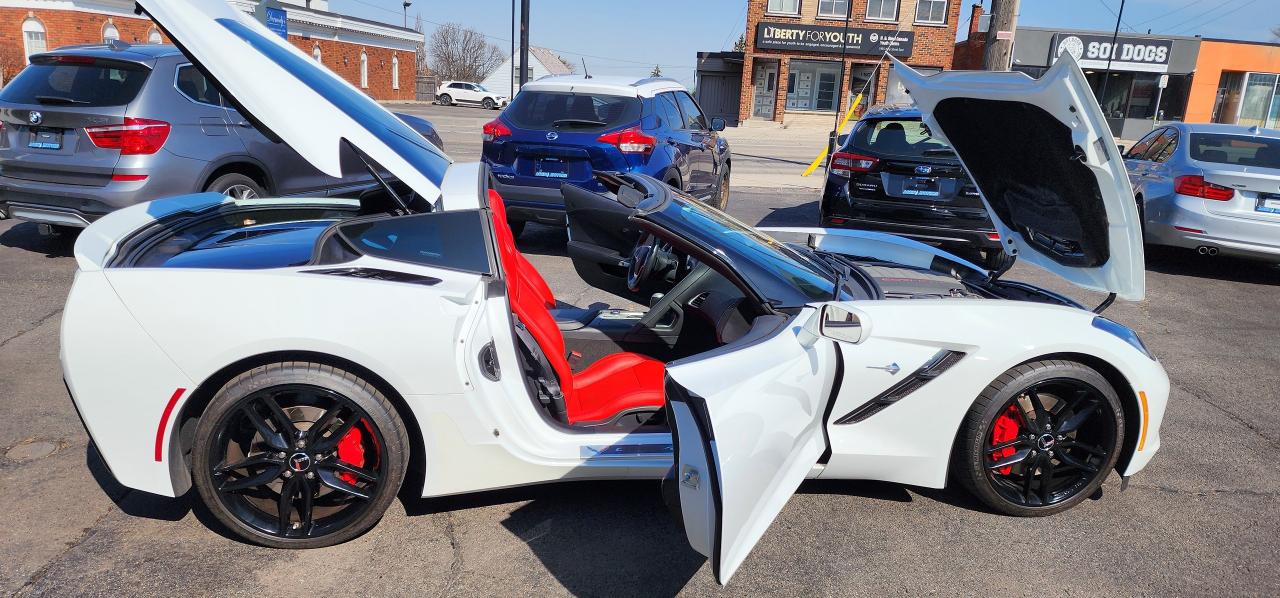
(899, 137)
(91, 83)
(451, 240)
(561, 110)
(1242, 150)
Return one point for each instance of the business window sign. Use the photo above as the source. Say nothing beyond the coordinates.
(1126, 54)
(278, 21)
(823, 38)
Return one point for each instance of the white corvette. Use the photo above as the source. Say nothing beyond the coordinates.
(298, 360)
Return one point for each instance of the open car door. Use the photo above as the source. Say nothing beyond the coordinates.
(601, 237)
(747, 423)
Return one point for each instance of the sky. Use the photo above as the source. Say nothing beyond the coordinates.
(628, 37)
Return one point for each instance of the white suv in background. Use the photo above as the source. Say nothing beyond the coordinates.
(452, 93)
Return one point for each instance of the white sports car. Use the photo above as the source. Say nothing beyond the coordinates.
(298, 360)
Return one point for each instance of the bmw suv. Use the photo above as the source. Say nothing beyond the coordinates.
(890, 175)
(561, 129)
(86, 130)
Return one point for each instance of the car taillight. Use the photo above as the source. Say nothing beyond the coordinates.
(1195, 186)
(75, 59)
(630, 141)
(844, 164)
(136, 137)
(495, 129)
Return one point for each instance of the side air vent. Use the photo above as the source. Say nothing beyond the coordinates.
(931, 369)
(489, 363)
(699, 300)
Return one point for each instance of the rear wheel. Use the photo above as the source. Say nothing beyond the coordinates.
(445, 99)
(722, 191)
(237, 186)
(1040, 439)
(488, 104)
(299, 455)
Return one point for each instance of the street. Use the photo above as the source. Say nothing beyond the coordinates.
(1203, 518)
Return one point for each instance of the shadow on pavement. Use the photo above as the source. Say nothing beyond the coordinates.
(886, 491)
(596, 538)
(134, 504)
(1185, 262)
(805, 214)
(26, 236)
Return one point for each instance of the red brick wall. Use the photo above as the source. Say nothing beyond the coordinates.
(67, 27)
(968, 54)
(933, 47)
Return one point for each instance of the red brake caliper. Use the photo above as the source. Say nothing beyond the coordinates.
(351, 451)
(1005, 429)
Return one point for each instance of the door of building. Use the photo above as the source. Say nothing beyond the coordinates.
(766, 90)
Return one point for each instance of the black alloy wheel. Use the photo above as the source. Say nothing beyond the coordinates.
(445, 99)
(299, 461)
(488, 104)
(1042, 441)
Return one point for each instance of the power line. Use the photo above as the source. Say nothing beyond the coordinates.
(1117, 15)
(1172, 12)
(1172, 29)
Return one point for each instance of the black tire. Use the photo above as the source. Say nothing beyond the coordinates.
(321, 479)
(1033, 451)
(997, 260)
(517, 227)
(445, 99)
(488, 103)
(722, 191)
(237, 185)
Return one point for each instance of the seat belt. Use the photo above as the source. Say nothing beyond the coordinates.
(548, 384)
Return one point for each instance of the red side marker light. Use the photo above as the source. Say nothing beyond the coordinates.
(1189, 230)
(164, 422)
(128, 178)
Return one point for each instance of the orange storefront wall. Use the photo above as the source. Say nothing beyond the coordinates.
(1217, 57)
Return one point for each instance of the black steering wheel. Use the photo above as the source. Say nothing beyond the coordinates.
(642, 259)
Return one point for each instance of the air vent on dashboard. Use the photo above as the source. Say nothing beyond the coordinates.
(699, 300)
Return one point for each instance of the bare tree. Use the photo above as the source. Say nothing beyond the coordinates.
(741, 44)
(422, 47)
(657, 71)
(462, 54)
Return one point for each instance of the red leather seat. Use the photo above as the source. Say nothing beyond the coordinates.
(612, 385)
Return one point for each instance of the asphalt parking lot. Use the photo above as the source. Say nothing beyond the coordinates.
(1203, 519)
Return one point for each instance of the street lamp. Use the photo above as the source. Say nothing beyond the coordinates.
(407, 4)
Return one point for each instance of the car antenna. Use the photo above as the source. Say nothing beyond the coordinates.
(585, 73)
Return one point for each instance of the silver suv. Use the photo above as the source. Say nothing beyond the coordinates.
(89, 129)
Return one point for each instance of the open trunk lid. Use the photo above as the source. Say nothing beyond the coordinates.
(1048, 169)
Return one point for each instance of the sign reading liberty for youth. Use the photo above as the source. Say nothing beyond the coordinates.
(1127, 54)
(278, 21)
(823, 38)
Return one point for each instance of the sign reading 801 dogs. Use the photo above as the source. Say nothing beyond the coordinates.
(822, 38)
(1127, 54)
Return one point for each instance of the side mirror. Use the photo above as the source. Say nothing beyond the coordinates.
(717, 123)
(840, 141)
(838, 324)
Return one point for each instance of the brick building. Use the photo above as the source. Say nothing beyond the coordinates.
(377, 57)
(792, 69)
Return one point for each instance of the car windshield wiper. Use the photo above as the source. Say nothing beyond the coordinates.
(578, 122)
(938, 152)
(59, 100)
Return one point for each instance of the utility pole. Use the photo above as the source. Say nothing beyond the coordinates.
(998, 53)
(511, 76)
(407, 4)
(1106, 76)
(524, 42)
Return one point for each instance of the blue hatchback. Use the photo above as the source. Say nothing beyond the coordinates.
(562, 129)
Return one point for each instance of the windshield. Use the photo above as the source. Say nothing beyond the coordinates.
(907, 138)
(778, 272)
(1240, 150)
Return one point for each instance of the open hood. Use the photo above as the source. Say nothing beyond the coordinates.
(1041, 154)
(294, 97)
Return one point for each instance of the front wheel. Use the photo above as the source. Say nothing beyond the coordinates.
(299, 455)
(722, 192)
(1040, 439)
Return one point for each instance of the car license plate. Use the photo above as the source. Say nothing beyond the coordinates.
(921, 187)
(1268, 202)
(552, 168)
(49, 139)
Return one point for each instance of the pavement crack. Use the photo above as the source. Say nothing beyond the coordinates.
(1204, 396)
(38, 323)
(455, 567)
(1209, 492)
(39, 575)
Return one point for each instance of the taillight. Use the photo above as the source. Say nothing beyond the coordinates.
(630, 141)
(495, 129)
(136, 137)
(75, 59)
(1196, 186)
(844, 164)
(993, 236)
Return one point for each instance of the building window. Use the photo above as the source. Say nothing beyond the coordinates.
(110, 33)
(33, 35)
(931, 11)
(1135, 95)
(364, 70)
(317, 54)
(395, 72)
(838, 9)
(882, 10)
(813, 85)
(784, 7)
(154, 37)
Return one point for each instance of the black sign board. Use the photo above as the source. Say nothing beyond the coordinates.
(1127, 54)
(823, 38)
